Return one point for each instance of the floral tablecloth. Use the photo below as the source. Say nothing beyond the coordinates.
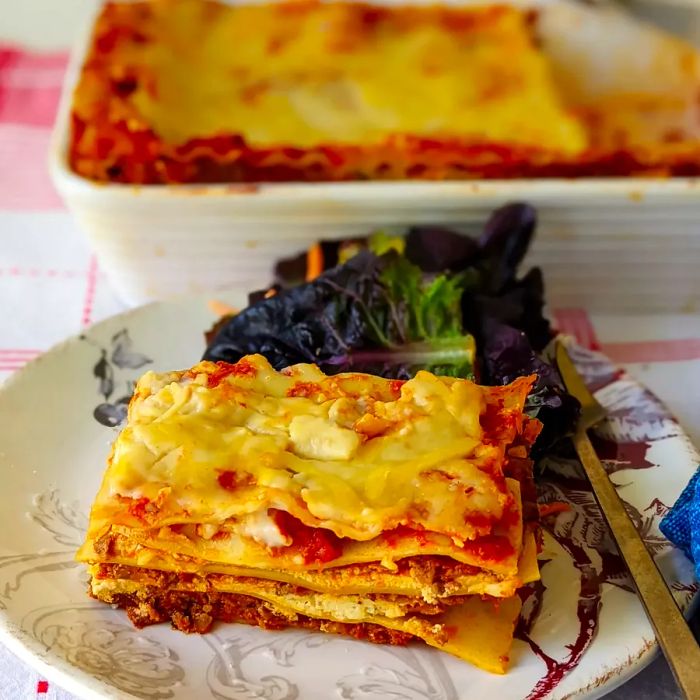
(51, 286)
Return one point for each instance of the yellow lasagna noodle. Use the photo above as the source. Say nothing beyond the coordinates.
(498, 553)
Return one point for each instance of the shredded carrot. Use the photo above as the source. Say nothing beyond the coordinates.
(553, 508)
(221, 309)
(314, 262)
(519, 451)
(270, 292)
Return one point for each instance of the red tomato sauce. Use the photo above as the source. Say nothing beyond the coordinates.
(316, 545)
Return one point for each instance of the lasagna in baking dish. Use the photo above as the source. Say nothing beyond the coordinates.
(382, 509)
(179, 91)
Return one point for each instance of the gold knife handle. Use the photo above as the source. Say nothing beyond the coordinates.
(672, 631)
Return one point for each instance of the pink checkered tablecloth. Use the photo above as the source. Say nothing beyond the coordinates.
(51, 287)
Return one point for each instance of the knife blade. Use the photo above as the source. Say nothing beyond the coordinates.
(672, 631)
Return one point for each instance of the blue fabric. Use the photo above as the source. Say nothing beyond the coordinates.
(681, 524)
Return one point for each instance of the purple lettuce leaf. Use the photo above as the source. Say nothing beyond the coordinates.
(375, 314)
(394, 314)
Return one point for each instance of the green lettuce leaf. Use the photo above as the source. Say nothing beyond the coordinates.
(376, 313)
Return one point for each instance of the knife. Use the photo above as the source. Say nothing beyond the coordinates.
(672, 632)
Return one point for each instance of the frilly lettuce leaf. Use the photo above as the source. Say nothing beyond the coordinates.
(376, 313)
(391, 306)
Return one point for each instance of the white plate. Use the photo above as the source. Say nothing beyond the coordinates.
(52, 456)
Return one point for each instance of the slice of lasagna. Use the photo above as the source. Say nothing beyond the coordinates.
(192, 91)
(382, 509)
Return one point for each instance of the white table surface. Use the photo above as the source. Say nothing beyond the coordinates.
(29, 236)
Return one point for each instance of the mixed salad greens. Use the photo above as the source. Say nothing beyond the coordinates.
(434, 299)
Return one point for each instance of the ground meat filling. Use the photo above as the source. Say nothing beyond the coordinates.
(425, 569)
(196, 612)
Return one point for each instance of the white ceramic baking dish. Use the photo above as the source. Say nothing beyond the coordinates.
(606, 244)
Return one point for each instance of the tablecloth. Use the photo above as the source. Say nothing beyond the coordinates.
(51, 286)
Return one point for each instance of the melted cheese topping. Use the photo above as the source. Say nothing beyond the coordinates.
(261, 528)
(306, 74)
(221, 444)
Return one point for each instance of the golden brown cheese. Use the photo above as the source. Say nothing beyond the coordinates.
(172, 83)
(330, 72)
(226, 446)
